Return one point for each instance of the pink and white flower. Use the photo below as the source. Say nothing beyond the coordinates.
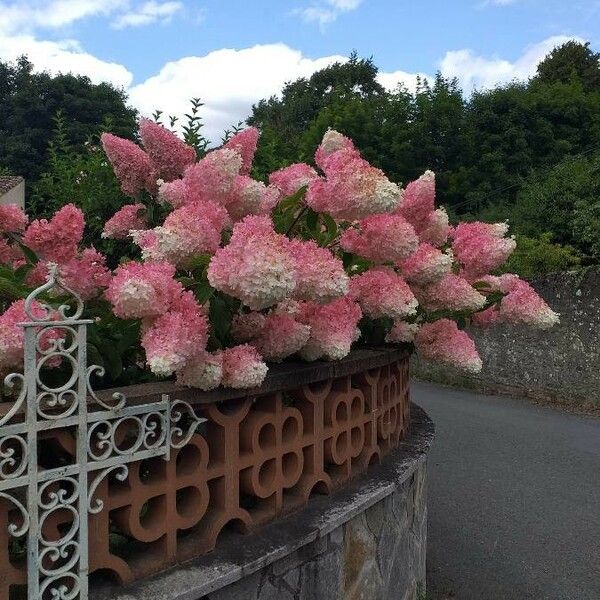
(12, 219)
(333, 328)
(290, 179)
(320, 275)
(127, 218)
(442, 341)
(383, 293)
(243, 367)
(57, 239)
(168, 154)
(204, 371)
(280, 337)
(381, 238)
(480, 247)
(402, 332)
(244, 143)
(452, 292)
(426, 265)
(256, 266)
(139, 290)
(131, 165)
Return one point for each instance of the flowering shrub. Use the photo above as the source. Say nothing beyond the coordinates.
(233, 273)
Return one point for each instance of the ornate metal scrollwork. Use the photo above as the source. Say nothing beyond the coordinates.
(109, 437)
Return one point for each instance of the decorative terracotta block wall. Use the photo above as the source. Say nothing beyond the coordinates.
(255, 458)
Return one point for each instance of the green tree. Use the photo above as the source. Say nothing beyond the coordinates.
(284, 120)
(564, 200)
(81, 175)
(536, 256)
(571, 61)
(29, 102)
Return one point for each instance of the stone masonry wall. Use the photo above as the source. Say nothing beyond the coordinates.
(377, 555)
(562, 364)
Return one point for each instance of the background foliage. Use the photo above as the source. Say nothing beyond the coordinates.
(526, 151)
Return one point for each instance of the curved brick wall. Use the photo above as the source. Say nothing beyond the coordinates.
(367, 542)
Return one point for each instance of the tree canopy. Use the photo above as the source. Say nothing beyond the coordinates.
(29, 103)
(493, 152)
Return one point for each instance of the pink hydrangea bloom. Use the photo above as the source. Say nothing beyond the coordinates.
(500, 283)
(130, 216)
(203, 371)
(139, 290)
(436, 228)
(401, 332)
(169, 154)
(245, 327)
(523, 306)
(256, 266)
(381, 292)
(452, 292)
(320, 275)
(175, 193)
(245, 143)
(188, 231)
(86, 274)
(243, 367)
(334, 143)
(481, 247)
(486, 318)
(213, 177)
(250, 197)
(381, 238)
(12, 335)
(442, 341)
(426, 265)
(333, 328)
(353, 190)
(131, 164)
(10, 254)
(38, 275)
(12, 219)
(290, 179)
(281, 337)
(418, 200)
(57, 239)
(176, 336)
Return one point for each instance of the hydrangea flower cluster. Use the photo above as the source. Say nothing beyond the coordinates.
(352, 188)
(290, 179)
(481, 248)
(381, 292)
(381, 238)
(256, 266)
(12, 336)
(442, 341)
(128, 218)
(226, 259)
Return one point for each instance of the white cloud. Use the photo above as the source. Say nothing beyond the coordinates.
(147, 13)
(477, 72)
(390, 81)
(65, 56)
(228, 81)
(326, 11)
(499, 2)
(27, 15)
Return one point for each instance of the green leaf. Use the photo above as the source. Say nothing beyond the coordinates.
(11, 289)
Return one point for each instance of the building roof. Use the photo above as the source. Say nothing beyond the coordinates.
(8, 183)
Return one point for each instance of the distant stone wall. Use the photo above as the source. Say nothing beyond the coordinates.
(562, 364)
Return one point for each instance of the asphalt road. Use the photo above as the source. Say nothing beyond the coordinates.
(514, 499)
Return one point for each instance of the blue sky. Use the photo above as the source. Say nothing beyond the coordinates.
(232, 52)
